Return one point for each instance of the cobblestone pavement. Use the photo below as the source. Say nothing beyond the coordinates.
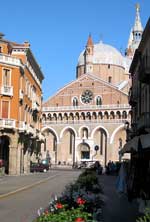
(116, 208)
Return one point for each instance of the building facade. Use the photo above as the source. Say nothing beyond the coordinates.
(90, 112)
(138, 132)
(20, 106)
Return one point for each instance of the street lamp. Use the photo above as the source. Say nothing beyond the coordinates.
(126, 126)
(96, 148)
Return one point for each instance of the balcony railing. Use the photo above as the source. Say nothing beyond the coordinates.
(98, 121)
(144, 121)
(10, 60)
(144, 71)
(7, 123)
(86, 107)
(7, 90)
(133, 96)
(22, 126)
(35, 106)
(31, 130)
(21, 94)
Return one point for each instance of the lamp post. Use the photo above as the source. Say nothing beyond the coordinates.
(126, 126)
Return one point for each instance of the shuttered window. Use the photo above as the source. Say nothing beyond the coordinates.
(5, 106)
(6, 77)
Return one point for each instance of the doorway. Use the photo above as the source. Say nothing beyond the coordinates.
(4, 152)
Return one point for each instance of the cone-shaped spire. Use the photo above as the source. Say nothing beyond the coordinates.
(89, 41)
(137, 25)
(135, 34)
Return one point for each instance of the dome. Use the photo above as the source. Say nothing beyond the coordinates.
(104, 54)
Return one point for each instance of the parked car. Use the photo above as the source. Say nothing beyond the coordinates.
(86, 164)
(39, 167)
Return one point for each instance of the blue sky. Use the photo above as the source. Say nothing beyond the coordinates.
(58, 30)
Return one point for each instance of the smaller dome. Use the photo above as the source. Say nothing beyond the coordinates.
(104, 54)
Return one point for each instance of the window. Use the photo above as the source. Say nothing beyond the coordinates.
(6, 77)
(108, 66)
(54, 144)
(5, 109)
(120, 143)
(109, 79)
(84, 133)
(0, 49)
(75, 102)
(101, 142)
(98, 101)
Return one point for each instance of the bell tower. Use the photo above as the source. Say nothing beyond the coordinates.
(88, 56)
(135, 34)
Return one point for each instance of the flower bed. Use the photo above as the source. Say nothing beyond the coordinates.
(80, 202)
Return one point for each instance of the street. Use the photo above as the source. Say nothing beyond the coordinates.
(22, 196)
(22, 206)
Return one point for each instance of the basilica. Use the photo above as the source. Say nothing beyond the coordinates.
(85, 119)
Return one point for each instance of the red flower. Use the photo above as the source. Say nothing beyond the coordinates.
(59, 206)
(79, 219)
(80, 201)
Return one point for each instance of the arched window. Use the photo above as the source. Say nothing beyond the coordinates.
(124, 114)
(98, 101)
(72, 142)
(84, 133)
(109, 79)
(75, 101)
(120, 143)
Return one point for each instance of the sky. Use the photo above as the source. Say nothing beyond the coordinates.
(58, 30)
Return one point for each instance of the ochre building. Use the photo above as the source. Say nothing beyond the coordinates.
(90, 112)
(20, 106)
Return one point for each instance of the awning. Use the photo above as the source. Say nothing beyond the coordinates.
(145, 141)
(132, 145)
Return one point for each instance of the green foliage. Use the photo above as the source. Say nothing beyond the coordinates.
(66, 216)
(79, 202)
(145, 217)
(88, 180)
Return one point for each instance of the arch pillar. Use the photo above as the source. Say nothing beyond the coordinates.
(12, 160)
(26, 162)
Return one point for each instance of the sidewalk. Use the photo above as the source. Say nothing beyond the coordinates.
(116, 208)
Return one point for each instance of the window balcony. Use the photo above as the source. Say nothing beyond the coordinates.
(143, 122)
(6, 59)
(31, 130)
(7, 90)
(144, 71)
(133, 97)
(21, 94)
(22, 126)
(35, 106)
(7, 123)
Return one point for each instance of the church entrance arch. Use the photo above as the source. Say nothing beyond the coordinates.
(4, 152)
(66, 153)
(49, 149)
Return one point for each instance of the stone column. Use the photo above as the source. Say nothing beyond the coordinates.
(13, 155)
(18, 164)
(12, 160)
(27, 163)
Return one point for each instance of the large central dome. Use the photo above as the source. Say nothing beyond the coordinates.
(104, 54)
